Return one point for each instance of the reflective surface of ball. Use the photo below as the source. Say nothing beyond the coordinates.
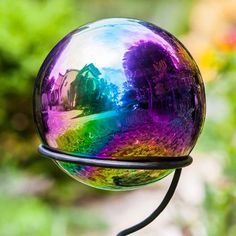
(119, 89)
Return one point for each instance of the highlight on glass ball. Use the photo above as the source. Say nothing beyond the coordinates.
(120, 89)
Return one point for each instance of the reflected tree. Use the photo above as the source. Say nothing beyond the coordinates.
(145, 65)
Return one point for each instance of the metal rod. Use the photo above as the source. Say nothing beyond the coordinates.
(158, 210)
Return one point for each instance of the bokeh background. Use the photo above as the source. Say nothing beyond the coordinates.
(36, 198)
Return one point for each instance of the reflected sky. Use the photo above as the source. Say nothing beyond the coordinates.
(105, 46)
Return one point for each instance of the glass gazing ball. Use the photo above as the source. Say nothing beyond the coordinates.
(120, 89)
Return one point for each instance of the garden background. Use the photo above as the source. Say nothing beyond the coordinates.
(36, 198)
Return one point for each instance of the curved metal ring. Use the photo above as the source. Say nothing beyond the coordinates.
(161, 164)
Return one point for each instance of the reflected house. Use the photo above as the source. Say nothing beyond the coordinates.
(90, 71)
(83, 89)
(61, 96)
(72, 88)
(66, 96)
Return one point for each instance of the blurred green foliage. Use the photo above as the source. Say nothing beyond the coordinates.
(219, 137)
(30, 216)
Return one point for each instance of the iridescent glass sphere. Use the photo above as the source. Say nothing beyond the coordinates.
(120, 89)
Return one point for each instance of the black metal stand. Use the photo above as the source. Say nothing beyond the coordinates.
(160, 164)
(158, 210)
